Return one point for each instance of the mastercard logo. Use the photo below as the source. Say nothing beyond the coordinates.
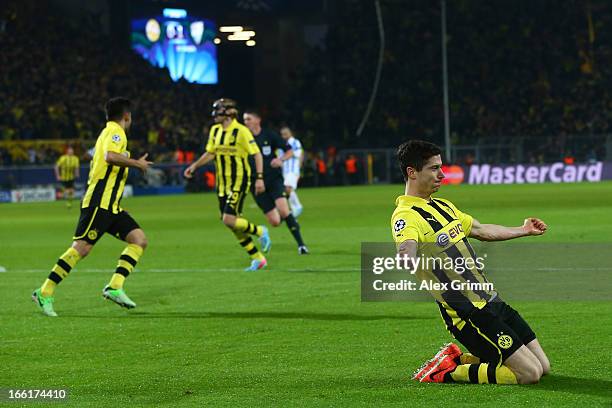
(454, 174)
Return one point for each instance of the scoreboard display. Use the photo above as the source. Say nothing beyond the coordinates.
(179, 42)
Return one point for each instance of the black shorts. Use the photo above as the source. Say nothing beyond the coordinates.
(232, 204)
(68, 184)
(275, 188)
(493, 333)
(95, 222)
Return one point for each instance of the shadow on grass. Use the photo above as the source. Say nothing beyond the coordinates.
(254, 315)
(577, 385)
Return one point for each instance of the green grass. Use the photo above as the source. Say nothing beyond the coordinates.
(206, 333)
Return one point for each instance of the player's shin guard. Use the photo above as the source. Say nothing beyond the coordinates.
(126, 264)
(482, 374)
(60, 271)
(294, 228)
(247, 243)
(243, 225)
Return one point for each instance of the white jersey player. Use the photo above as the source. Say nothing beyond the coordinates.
(291, 170)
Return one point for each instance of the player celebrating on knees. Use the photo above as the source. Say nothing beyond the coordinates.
(229, 144)
(273, 202)
(101, 213)
(503, 348)
(291, 170)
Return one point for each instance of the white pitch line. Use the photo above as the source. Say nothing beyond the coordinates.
(193, 270)
(189, 270)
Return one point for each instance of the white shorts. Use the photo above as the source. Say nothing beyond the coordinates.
(291, 180)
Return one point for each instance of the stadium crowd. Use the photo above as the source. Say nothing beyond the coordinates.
(543, 73)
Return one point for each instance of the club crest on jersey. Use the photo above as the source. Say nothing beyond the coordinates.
(399, 225)
(116, 138)
(504, 341)
(266, 150)
(443, 239)
(93, 234)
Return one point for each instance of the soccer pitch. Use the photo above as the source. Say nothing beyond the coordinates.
(295, 334)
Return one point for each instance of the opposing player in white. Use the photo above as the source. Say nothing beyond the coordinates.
(291, 170)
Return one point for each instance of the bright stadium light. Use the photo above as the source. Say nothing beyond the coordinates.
(238, 37)
(230, 29)
(250, 43)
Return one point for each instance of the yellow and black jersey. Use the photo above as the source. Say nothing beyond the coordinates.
(106, 182)
(67, 166)
(441, 231)
(232, 147)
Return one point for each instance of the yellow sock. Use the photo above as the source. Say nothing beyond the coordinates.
(467, 358)
(483, 374)
(243, 225)
(60, 271)
(247, 243)
(116, 281)
(126, 264)
(48, 288)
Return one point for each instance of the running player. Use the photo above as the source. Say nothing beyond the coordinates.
(101, 211)
(230, 144)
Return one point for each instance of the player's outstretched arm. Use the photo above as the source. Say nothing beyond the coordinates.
(117, 159)
(494, 232)
(205, 158)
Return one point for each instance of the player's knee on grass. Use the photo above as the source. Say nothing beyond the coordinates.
(529, 373)
(525, 366)
(82, 247)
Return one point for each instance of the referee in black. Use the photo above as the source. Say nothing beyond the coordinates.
(273, 202)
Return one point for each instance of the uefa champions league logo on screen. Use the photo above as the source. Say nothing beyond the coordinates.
(196, 29)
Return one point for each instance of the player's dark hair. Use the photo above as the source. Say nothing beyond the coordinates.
(116, 107)
(252, 111)
(415, 153)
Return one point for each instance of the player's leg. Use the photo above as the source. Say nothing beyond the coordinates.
(502, 357)
(291, 181)
(243, 229)
(90, 228)
(125, 228)
(536, 349)
(513, 319)
(285, 214)
(274, 218)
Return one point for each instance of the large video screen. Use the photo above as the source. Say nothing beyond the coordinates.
(179, 42)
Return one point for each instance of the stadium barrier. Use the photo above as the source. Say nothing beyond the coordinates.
(30, 184)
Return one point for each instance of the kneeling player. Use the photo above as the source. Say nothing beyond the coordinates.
(503, 348)
(101, 213)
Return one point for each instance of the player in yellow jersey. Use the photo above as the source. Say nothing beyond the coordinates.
(230, 144)
(66, 172)
(101, 211)
(503, 348)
